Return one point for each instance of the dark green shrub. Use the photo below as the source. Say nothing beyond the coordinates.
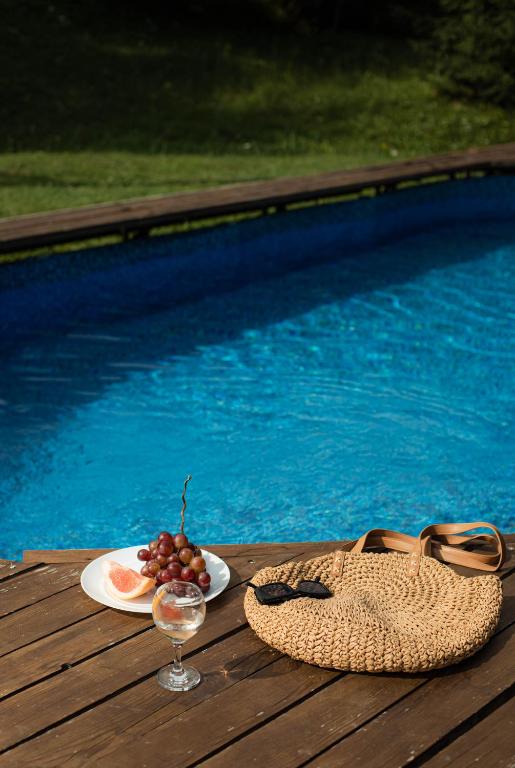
(474, 47)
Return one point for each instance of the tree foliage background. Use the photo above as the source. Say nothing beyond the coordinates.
(472, 42)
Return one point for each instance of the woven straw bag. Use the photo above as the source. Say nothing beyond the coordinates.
(390, 612)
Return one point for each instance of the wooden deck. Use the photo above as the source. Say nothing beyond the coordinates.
(41, 229)
(78, 686)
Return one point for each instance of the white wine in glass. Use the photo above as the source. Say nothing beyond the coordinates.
(179, 611)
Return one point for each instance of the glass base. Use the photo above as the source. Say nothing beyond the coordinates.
(185, 682)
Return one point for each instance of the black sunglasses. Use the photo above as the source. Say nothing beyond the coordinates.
(277, 592)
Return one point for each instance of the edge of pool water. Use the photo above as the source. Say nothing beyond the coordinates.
(61, 290)
(57, 292)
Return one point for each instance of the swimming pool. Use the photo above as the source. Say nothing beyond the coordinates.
(319, 372)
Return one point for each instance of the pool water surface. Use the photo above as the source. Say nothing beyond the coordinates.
(372, 390)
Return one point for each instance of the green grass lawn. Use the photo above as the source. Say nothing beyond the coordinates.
(110, 101)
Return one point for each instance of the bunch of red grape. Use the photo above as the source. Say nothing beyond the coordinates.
(174, 557)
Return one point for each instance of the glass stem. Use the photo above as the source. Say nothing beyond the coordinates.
(178, 669)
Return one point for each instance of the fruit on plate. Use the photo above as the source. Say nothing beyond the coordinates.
(198, 564)
(188, 574)
(123, 582)
(172, 556)
(180, 541)
(174, 569)
(203, 581)
(186, 555)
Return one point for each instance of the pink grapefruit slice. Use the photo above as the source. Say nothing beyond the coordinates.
(123, 582)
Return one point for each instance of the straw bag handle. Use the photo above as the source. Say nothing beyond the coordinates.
(440, 540)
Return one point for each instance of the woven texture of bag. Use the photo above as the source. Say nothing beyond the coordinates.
(390, 611)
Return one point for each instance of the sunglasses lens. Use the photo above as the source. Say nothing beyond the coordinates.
(313, 589)
(276, 590)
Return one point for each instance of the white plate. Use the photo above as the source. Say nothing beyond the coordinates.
(92, 579)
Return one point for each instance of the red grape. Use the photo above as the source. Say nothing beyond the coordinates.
(175, 570)
(162, 560)
(144, 571)
(198, 564)
(165, 576)
(153, 546)
(144, 554)
(180, 541)
(174, 558)
(165, 536)
(165, 549)
(153, 567)
(187, 574)
(204, 580)
(185, 555)
(159, 578)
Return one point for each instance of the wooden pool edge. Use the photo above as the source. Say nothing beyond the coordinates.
(54, 556)
(141, 215)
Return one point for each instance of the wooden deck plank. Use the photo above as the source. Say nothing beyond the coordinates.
(357, 701)
(261, 549)
(38, 229)
(128, 702)
(66, 648)
(62, 609)
(325, 718)
(32, 586)
(85, 684)
(86, 676)
(409, 728)
(54, 556)
(76, 742)
(108, 703)
(9, 568)
(36, 621)
(125, 667)
(87, 634)
(225, 716)
(489, 743)
(262, 697)
(313, 724)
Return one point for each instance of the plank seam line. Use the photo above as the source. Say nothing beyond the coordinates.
(144, 677)
(385, 709)
(364, 723)
(65, 666)
(252, 729)
(219, 638)
(8, 576)
(59, 592)
(100, 610)
(119, 691)
(459, 730)
(202, 701)
(53, 632)
(243, 551)
(36, 602)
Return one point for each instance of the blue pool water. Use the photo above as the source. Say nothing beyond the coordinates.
(319, 373)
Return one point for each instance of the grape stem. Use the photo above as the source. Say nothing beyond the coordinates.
(188, 478)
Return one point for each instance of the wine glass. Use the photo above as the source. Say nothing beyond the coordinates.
(178, 610)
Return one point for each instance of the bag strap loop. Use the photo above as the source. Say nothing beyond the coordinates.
(382, 537)
(441, 540)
